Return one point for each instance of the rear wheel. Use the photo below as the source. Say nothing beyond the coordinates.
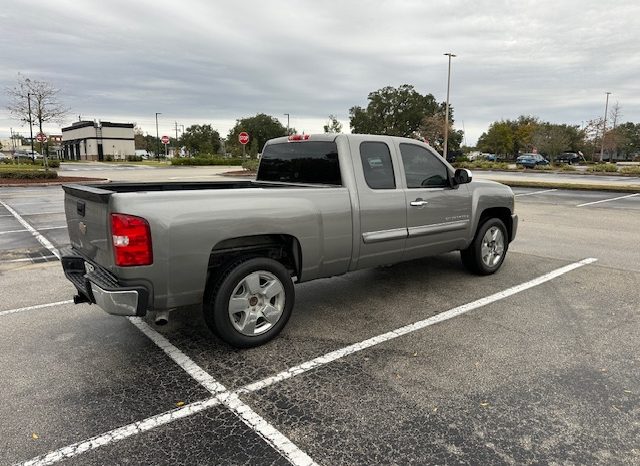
(251, 302)
(486, 253)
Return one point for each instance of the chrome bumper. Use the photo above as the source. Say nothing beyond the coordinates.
(119, 303)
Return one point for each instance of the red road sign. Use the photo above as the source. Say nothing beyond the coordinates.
(243, 138)
(165, 139)
(41, 137)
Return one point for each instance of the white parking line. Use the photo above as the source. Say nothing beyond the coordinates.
(121, 433)
(31, 308)
(269, 433)
(41, 239)
(607, 200)
(24, 229)
(231, 400)
(536, 192)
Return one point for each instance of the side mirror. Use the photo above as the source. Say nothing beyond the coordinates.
(462, 176)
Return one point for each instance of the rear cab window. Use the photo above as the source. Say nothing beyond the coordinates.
(377, 165)
(307, 162)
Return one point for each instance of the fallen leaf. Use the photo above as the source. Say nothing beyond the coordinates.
(484, 403)
(35, 436)
(627, 391)
(415, 355)
(435, 409)
(180, 403)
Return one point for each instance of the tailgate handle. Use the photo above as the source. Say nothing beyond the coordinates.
(80, 208)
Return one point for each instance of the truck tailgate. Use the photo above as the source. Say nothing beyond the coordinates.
(87, 212)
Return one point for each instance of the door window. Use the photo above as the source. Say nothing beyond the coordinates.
(377, 166)
(422, 168)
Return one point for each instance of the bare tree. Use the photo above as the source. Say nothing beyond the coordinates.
(35, 102)
(333, 125)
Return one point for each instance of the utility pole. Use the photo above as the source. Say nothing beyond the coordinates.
(604, 126)
(157, 138)
(33, 155)
(287, 123)
(446, 118)
(176, 148)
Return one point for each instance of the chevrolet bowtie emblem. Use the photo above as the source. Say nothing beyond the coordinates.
(83, 228)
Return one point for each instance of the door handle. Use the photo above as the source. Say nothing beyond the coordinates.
(419, 202)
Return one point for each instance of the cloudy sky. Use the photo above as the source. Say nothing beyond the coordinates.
(216, 61)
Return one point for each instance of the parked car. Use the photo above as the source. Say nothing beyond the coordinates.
(493, 158)
(531, 160)
(321, 205)
(568, 157)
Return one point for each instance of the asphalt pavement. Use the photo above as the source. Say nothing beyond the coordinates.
(537, 364)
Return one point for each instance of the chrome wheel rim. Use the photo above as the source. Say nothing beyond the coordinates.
(492, 247)
(256, 303)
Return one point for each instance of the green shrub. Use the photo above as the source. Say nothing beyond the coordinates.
(482, 164)
(134, 158)
(632, 170)
(207, 160)
(251, 165)
(22, 174)
(603, 167)
(564, 167)
(543, 167)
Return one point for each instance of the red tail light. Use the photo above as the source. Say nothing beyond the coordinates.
(298, 137)
(131, 240)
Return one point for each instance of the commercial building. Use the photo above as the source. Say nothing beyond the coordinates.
(90, 140)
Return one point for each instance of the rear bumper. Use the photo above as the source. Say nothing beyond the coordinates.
(514, 226)
(101, 287)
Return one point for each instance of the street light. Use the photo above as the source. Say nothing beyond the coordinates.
(604, 126)
(157, 137)
(287, 123)
(446, 118)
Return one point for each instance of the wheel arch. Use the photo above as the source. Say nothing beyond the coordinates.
(502, 213)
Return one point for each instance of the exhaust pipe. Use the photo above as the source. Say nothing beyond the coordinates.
(162, 318)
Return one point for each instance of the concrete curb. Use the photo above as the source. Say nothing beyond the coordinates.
(574, 186)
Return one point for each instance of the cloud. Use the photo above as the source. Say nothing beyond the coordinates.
(198, 61)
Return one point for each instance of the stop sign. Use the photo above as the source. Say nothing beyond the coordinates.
(41, 137)
(165, 139)
(243, 138)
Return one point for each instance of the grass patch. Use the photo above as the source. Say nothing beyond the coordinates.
(482, 165)
(602, 168)
(27, 174)
(250, 165)
(634, 170)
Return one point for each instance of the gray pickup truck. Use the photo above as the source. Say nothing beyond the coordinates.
(321, 205)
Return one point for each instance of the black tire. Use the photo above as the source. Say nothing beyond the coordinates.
(472, 257)
(217, 302)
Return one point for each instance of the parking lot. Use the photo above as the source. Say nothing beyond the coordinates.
(417, 363)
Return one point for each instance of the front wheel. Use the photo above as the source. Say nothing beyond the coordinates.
(486, 253)
(250, 303)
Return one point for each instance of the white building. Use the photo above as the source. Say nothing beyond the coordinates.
(90, 140)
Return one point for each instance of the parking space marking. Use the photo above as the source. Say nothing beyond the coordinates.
(443, 316)
(39, 229)
(41, 239)
(607, 200)
(37, 306)
(536, 192)
(121, 433)
(231, 399)
(42, 213)
(30, 259)
(269, 433)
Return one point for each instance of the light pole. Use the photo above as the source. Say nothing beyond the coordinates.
(157, 137)
(604, 126)
(287, 123)
(446, 118)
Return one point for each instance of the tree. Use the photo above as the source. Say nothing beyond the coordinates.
(201, 139)
(552, 139)
(260, 128)
(431, 130)
(498, 139)
(333, 125)
(391, 111)
(35, 102)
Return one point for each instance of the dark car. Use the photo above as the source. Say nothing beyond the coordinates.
(568, 157)
(531, 160)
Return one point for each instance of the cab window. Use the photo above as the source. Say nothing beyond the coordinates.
(422, 168)
(377, 166)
